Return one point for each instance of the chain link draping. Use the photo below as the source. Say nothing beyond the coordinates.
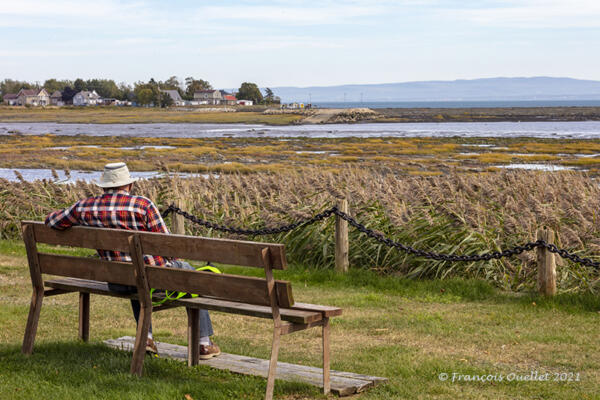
(384, 240)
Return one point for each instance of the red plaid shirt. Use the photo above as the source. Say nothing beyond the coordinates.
(113, 209)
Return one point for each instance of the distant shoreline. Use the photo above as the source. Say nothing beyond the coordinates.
(494, 114)
(286, 117)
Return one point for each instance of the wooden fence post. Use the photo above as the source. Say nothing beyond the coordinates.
(546, 264)
(341, 239)
(178, 226)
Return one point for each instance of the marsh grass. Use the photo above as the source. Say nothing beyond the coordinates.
(450, 213)
(413, 156)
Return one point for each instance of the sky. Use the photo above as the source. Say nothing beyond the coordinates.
(299, 43)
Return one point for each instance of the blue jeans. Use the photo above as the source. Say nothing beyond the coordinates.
(204, 323)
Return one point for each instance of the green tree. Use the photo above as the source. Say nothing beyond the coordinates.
(126, 92)
(145, 96)
(13, 86)
(249, 91)
(165, 100)
(172, 83)
(79, 85)
(104, 87)
(152, 86)
(51, 85)
(67, 94)
(269, 96)
(194, 85)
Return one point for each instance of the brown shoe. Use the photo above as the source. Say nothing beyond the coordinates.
(151, 347)
(209, 351)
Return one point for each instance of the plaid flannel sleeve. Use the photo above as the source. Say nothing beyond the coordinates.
(154, 221)
(63, 219)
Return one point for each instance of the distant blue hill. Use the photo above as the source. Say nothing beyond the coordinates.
(489, 89)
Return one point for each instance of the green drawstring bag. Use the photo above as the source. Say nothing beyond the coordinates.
(174, 295)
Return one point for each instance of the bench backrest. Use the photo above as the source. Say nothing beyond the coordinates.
(223, 286)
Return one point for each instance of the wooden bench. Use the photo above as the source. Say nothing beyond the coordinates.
(257, 297)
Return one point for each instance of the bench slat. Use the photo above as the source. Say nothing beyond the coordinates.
(229, 287)
(234, 252)
(86, 286)
(80, 236)
(291, 315)
(287, 314)
(87, 268)
(327, 311)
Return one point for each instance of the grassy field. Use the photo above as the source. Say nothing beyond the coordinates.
(409, 331)
(118, 115)
(129, 115)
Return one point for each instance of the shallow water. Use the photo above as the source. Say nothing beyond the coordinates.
(32, 174)
(535, 167)
(574, 130)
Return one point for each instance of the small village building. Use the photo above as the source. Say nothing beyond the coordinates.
(210, 96)
(33, 97)
(107, 101)
(175, 96)
(86, 98)
(56, 99)
(10, 99)
(229, 99)
(196, 102)
(245, 102)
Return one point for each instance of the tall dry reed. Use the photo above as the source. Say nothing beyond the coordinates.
(457, 213)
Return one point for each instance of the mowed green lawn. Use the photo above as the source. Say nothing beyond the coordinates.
(407, 331)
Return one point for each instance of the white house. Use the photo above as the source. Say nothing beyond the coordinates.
(174, 95)
(210, 96)
(245, 102)
(85, 98)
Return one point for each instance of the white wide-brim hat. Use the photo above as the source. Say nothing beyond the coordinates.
(115, 175)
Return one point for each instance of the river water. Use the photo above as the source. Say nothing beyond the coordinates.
(573, 130)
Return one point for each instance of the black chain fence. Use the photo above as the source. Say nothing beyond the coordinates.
(382, 239)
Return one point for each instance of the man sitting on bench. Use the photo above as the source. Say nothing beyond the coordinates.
(118, 209)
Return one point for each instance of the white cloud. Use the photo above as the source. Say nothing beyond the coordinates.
(532, 14)
(312, 15)
(34, 8)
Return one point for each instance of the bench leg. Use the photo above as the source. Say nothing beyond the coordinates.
(273, 363)
(139, 350)
(326, 381)
(193, 336)
(84, 316)
(32, 320)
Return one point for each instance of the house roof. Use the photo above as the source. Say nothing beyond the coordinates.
(229, 97)
(29, 92)
(56, 94)
(10, 96)
(205, 91)
(89, 95)
(174, 94)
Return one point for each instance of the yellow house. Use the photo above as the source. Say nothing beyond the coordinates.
(33, 97)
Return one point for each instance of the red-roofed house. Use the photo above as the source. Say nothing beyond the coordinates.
(10, 99)
(33, 97)
(229, 100)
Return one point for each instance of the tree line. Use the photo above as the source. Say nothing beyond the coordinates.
(140, 92)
